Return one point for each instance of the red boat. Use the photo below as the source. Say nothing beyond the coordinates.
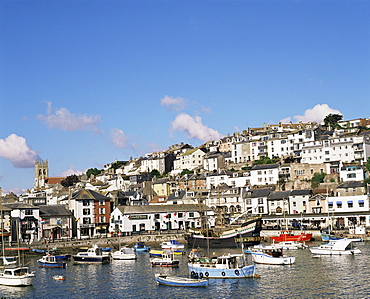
(287, 235)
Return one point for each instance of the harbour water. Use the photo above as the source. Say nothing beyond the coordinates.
(309, 277)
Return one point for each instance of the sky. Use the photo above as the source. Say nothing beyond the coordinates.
(83, 83)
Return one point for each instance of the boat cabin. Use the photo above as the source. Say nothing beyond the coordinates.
(229, 261)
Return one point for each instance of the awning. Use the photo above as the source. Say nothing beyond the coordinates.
(98, 227)
(330, 203)
(349, 201)
(339, 202)
(360, 201)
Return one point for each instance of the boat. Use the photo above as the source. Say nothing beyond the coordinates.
(58, 277)
(16, 276)
(289, 245)
(166, 260)
(125, 253)
(326, 236)
(93, 255)
(50, 261)
(287, 235)
(270, 255)
(228, 236)
(176, 281)
(172, 245)
(141, 247)
(155, 252)
(224, 266)
(336, 247)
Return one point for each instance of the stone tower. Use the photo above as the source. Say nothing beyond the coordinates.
(41, 173)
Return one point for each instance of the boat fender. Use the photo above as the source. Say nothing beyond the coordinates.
(206, 274)
(192, 274)
(200, 275)
(196, 276)
(341, 235)
(237, 272)
(223, 273)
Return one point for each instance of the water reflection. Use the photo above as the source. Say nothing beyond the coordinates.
(329, 276)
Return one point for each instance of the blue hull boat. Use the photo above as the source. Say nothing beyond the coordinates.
(49, 261)
(140, 247)
(175, 281)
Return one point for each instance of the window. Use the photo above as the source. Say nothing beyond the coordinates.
(260, 210)
(351, 175)
(339, 205)
(28, 212)
(180, 215)
(350, 204)
(101, 202)
(86, 220)
(191, 214)
(102, 211)
(249, 201)
(102, 219)
(260, 201)
(85, 202)
(86, 211)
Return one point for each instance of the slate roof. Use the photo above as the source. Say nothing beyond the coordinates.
(54, 210)
(264, 166)
(279, 195)
(356, 184)
(180, 195)
(19, 205)
(254, 193)
(301, 192)
(89, 194)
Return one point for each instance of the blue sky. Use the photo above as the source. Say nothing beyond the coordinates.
(83, 83)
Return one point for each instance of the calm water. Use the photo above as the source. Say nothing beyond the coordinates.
(326, 277)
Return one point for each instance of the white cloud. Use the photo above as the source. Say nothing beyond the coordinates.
(118, 138)
(172, 103)
(315, 114)
(72, 170)
(194, 128)
(16, 149)
(15, 190)
(64, 120)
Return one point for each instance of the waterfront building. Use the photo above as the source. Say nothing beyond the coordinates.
(55, 222)
(145, 219)
(256, 201)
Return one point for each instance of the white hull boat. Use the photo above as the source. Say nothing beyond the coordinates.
(336, 247)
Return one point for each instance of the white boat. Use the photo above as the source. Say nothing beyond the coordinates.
(336, 247)
(289, 245)
(16, 276)
(172, 245)
(125, 253)
(225, 266)
(176, 281)
(270, 255)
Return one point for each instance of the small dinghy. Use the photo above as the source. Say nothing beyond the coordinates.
(58, 277)
(176, 281)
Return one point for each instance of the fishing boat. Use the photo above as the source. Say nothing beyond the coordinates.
(336, 247)
(125, 253)
(166, 260)
(289, 245)
(224, 266)
(288, 235)
(141, 247)
(176, 281)
(50, 261)
(93, 255)
(270, 255)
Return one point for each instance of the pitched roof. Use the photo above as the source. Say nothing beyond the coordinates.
(258, 193)
(278, 195)
(54, 210)
(356, 184)
(301, 192)
(89, 194)
(264, 166)
(19, 205)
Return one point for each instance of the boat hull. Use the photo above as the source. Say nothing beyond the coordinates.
(52, 265)
(90, 259)
(303, 237)
(248, 234)
(180, 281)
(261, 258)
(209, 271)
(318, 251)
(16, 282)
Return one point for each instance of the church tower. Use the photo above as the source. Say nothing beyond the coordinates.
(41, 173)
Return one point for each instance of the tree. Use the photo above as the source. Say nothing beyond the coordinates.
(70, 180)
(156, 173)
(332, 120)
(186, 171)
(317, 178)
(92, 171)
(367, 165)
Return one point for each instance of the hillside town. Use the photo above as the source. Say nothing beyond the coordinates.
(312, 174)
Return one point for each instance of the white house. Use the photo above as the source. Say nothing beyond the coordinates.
(266, 174)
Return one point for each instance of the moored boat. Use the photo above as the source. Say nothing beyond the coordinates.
(50, 261)
(16, 276)
(93, 255)
(58, 277)
(141, 247)
(287, 235)
(270, 255)
(176, 281)
(225, 266)
(289, 245)
(336, 247)
(172, 245)
(166, 260)
(125, 253)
